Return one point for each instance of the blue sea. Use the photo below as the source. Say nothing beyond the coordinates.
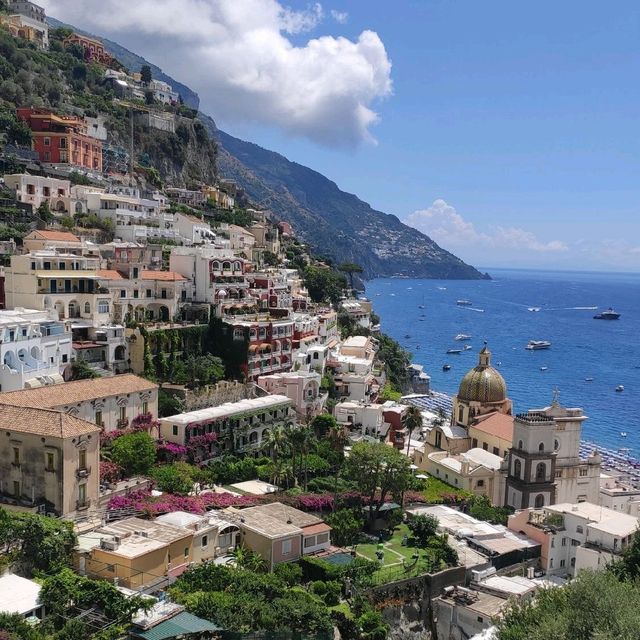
(607, 351)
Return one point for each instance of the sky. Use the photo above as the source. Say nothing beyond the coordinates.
(507, 131)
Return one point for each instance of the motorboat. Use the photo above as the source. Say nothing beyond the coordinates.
(462, 336)
(446, 367)
(609, 314)
(588, 379)
(467, 347)
(533, 309)
(407, 336)
(536, 345)
(623, 434)
(620, 388)
(464, 303)
(454, 351)
(543, 368)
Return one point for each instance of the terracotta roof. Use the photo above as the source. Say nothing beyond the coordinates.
(169, 276)
(60, 236)
(314, 529)
(109, 274)
(45, 422)
(60, 395)
(496, 424)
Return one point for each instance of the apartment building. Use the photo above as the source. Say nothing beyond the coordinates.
(94, 50)
(35, 190)
(111, 403)
(352, 363)
(238, 426)
(302, 388)
(63, 241)
(35, 349)
(27, 21)
(49, 460)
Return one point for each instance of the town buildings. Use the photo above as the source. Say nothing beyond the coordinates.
(49, 460)
(35, 190)
(110, 403)
(94, 50)
(302, 388)
(35, 349)
(62, 139)
(28, 21)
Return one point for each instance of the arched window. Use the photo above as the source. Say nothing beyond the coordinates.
(541, 446)
(87, 308)
(517, 469)
(541, 471)
(539, 503)
(480, 484)
(556, 445)
(520, 445)
(460, 414)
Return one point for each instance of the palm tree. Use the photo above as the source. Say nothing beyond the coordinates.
(281, 473)
(276, 441)
(411, 420)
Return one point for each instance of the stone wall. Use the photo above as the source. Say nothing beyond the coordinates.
(211, 395)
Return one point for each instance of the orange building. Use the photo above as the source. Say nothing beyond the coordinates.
(94, 50)
(62, 139)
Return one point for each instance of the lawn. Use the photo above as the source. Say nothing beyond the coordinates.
(437, 489)
(394, 551)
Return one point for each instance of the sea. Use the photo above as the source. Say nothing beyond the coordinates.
(587, 360)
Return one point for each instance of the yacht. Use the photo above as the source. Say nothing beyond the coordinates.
(543, 368)
(446, 367)
(462, 336)
(464, 303)
(535, 345)
(609, 314)
(454, 350)
(467, 347)
(620, 388)
(533, 309)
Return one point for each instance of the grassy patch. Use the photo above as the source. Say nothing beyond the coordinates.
(438, 491)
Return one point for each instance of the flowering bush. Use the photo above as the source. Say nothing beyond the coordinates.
(145, 422)
(110, 471)
(156, 505)
(199, 447)
(170, 452)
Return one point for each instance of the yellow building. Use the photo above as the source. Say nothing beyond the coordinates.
(48, 460)
(493, 433)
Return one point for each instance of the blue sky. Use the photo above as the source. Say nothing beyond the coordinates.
(510, 133)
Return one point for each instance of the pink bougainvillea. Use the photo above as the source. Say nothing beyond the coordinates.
(110, 471)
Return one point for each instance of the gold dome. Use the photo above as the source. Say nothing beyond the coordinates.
(483, 383)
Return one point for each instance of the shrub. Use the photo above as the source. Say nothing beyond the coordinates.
(289, 572)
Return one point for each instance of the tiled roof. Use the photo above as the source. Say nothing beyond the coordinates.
(79, 391)
(59, 236)
(110, 274)
(44, 422)
(168, 276)
(498, 425)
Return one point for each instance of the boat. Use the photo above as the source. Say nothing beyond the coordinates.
(454, 350)
(536, 345)
(467, 347)
(609, 314)
(420, 306)
(543, 368)
(407, 336)
(462, 336)
(442, 288)
(620, 388)
(446, 367)
(533, 309)
(588, 379)
(623, 434)
(464, 303)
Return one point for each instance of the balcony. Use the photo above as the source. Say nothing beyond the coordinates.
(83, 473)
(83, 505)
(123, 423)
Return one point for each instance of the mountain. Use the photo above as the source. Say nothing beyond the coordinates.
(334, 223)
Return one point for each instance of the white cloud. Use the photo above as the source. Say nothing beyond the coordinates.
(448, 228)
(239, 58)
(340, 17)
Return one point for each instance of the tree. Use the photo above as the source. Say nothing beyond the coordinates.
(134, 452)
(174, 478)
(423, 528)
(324, 285)
(145, 74)
(149, 98)
(44, 212)
(276, 442)
(80, 370)
(379, 471)
(411, 421)
(323, 424)
(593, 605)
(346, 525)
(250, 560)
(350, 268)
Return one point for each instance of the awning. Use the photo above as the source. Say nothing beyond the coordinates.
(182, 624)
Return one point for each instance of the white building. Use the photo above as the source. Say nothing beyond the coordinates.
(35, 348)
(35, 190)
(364, 417)
(352, 364)
(193, 230)
(303, 388)
(618, 495)
(20, 596)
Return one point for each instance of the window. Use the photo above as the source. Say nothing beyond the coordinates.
(461, 414)
(98, 419)
(541, 472)
(123, 413)
(480, 619)
(564, 542)
(87, 308)
(50, 461)
(553, 542)
(550, 563)
(150, 295)
(579, 529)
(145, 407)
(562, 563)
(439, 439)
(175, 429)
(541, 446)
(205, 541)
(474, 443)
(47, 142)
(47, 156)
(82, 459)
(186, 552)
(480, 483)
(556, 445)
(539, 503)
(520, 445)
(111, 568)
(496, 451)
(309, 542)
(517, 469)
(123, 293)
(485, 446)
(135, 293)
(135, 272)
(322, 538)
(82, 494)
(573, 562)
(103, 306)
(583, 472)
(286, 547)
(16, 455)
(558, 473)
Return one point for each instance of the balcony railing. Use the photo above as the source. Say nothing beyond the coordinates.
(84, 472)
(82, 505)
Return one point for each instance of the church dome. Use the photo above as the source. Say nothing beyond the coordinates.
(483, 383)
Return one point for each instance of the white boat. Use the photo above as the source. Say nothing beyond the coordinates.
(533, 309)
(467, 347)
(536, 345)
(462, 336)
(623, 434)
(543, 368)
(454, 350)
(620, 388)
(588, 379)
(464, 303)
